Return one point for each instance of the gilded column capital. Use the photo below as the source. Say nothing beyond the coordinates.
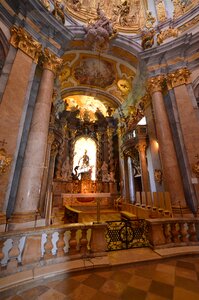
(155, 84)
(24, 41)
(178, 77)
(141, 147)
(50, 61)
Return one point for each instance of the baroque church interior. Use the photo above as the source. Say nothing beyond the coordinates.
(99, 149)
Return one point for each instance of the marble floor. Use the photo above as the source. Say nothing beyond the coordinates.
(171, 278)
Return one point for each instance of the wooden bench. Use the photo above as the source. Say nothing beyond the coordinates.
(125, 215)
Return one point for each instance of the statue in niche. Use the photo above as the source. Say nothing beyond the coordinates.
(98, 34)
(105, 174)
(84, 161)
(66, 170)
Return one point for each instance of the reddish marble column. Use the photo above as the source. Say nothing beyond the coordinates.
(14, 103)
(29, 189)
(171, 173)
(177, 82)
(141, 147)
(126, 179)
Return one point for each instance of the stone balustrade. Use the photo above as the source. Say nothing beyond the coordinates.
(175, 232)
(22, 250)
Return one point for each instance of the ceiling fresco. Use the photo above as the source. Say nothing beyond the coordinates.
(89, 106)
(112, 77)
(95, 72)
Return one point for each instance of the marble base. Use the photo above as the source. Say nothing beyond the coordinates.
(24, 225)
(2, 218)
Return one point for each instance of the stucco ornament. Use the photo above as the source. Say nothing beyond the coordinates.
(99, 33)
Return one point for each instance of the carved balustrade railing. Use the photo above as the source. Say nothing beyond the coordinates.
(22, 250)
(173, 232)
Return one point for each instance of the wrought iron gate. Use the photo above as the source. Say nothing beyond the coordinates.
(127, 234)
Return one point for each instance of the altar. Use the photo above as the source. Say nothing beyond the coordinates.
(86, 199)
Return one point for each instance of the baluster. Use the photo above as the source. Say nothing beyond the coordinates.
(1, 250)
(83, 242)
(183, 232)
(73, 242)
(55, 238)
(48, 247)
(175, 233)
(67, 236)
(13, 253)
(60, 244)
(192, 232)
(7, 246)
(167, 233)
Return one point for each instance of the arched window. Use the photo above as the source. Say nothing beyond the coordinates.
(85, 156)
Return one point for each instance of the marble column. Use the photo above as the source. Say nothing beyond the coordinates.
(141, 147)
(154, 149)
(171, 173)
(126, 179)
(99, 155)
(48, 198)
(14, 103)
(110, 148)
(187, 128)
(27, 202)
(46, 173)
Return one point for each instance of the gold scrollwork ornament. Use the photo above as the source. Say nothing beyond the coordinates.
(158, 176)
(5, 161)
(124, 86)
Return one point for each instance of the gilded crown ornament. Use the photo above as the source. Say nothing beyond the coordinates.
(178, 77)
(5, 161)
(155, 84)
(50, 61)
(24, 41)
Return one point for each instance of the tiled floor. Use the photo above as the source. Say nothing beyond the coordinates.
(176, 279)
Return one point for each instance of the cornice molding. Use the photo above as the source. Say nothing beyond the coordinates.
(22, 40)
(178, 77)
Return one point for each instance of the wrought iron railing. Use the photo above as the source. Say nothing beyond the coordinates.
(127, 234)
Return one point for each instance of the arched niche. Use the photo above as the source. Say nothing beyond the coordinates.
(85, 146)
